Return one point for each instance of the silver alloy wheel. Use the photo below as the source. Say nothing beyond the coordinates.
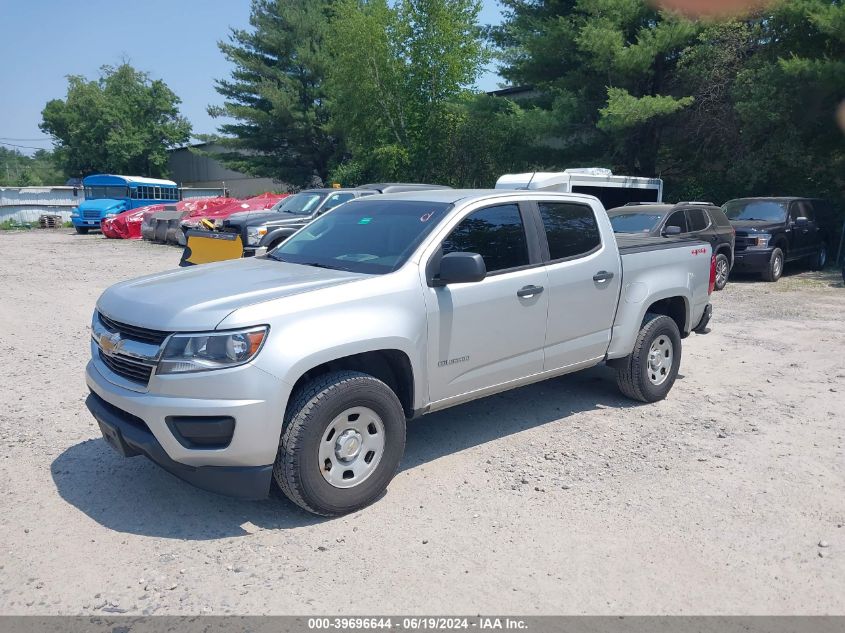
(660, 357)
(352, 447)
(777, 266)
(721, 272)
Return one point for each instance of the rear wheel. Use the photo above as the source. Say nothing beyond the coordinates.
(82, 230)
(343, 438)
(650, 371)
(819, 260)
(723, 271)
(775, 268)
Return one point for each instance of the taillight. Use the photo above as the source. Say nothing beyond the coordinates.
(712, 275)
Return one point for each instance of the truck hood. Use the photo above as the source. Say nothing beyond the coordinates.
(103, 205)
(258, 218)
(745, 227)
(200, 297)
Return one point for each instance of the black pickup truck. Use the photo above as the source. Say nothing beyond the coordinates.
(773, 231)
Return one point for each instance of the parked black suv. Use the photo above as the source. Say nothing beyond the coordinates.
(267, 229)
(698, 220)
(773, 231)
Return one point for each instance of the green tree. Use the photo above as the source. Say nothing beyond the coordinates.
(276, 95)
(605, 70)
(19, 170)
(396, 73)
(124, 122)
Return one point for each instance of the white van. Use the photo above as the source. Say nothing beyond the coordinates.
(613, 191)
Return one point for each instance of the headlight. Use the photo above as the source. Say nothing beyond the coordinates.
(760, 240)
(254, 234)
(74, 214)
(111, 215)
(210, 350)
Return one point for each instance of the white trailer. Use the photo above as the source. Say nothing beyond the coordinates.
(612, 190)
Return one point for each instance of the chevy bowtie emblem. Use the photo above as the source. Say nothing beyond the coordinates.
(110, 342)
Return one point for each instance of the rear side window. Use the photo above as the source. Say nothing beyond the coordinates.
(571, 229)
(496, 233)
(719, 218)
(697, 219)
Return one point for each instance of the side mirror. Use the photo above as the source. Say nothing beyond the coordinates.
(802, 221)
(461, 268)
(671, 230)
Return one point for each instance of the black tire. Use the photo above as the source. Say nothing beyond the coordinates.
(775, 268)
(632, 372)
(82, 230)
(297, 469)
(819, 260)
(722, 260)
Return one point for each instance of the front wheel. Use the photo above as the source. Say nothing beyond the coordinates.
(82, 230)
(775, 268)
(343, 438)
(723, 271)
(819, 260)
(649, 372)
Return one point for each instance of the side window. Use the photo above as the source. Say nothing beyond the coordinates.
(571, 229)
(795, 211)
(678, 219)
(697, 219)
(807, 210)
(496, 233)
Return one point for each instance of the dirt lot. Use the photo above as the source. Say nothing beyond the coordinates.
(563, 497)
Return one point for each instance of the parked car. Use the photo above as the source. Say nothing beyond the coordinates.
(773, 231)
(700, 220)
(302, 366)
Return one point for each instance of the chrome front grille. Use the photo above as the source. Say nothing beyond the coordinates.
(133, 332)
(128, 368)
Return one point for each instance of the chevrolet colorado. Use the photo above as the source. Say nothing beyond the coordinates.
(301, 367)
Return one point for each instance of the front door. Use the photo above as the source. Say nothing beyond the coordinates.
(491, 332)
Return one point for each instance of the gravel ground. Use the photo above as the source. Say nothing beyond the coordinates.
(562, 497)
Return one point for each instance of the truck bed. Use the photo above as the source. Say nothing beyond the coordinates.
(633, 243)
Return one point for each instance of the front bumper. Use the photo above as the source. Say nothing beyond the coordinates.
(257, 407)
(91, 223)
(752, 260)
(129, 436)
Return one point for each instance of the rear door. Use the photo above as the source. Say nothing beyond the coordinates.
(490, 332)
(699, 226)
(584, 278)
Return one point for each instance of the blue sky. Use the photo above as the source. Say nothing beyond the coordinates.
(174, 40)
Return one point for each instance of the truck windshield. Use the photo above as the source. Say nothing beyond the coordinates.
(635, 222)
(301, 204)
(750, 210)
(366, 236)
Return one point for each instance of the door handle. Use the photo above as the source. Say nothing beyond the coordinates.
(602, 277)
(529, 291)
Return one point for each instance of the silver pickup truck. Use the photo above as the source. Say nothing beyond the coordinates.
(301, 367)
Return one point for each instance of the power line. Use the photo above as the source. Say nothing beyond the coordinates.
(20, 146)
(9, 138)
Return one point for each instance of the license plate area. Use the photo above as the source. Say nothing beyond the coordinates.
(114, 438)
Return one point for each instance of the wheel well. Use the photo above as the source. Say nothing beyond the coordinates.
(783, 244)
(675, 308)
(391, 366)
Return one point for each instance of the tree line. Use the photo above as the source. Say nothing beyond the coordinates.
(364, 90)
